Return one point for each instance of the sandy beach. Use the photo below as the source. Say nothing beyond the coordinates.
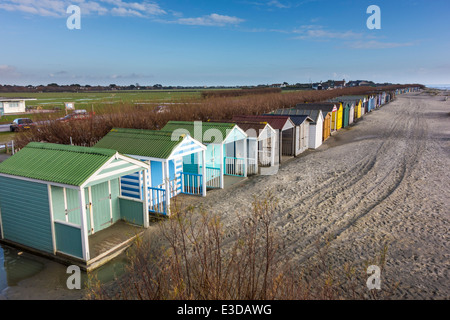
(382, 181)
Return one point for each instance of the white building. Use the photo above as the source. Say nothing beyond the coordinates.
(12, 105)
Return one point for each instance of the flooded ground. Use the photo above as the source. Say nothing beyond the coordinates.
(25, 276)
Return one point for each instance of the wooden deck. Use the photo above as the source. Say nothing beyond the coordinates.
(109, 243)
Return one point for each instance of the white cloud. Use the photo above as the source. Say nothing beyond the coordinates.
(278, 4)
(318, 33)
(144, 8)
(57, 8)
(46, 8)
(210, 20)
(121, 8)
(8, 71)
(123, 12)
(91, 7)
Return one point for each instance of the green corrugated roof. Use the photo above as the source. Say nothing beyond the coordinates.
(190, 126)
(71, 165)
(146, 143)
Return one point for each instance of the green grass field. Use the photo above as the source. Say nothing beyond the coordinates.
(83, 100)
(6, 137)
(100, 102)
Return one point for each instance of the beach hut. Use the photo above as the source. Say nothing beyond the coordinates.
(302, 123)
(384, 96)
(359, 105)
(285, 128)
(392, 95)
(326, 125)
(226, 148)
(345, 114)
(334, 108)
(316, 127)
(261, 142)
(372, 103)
(377, 101)
(56, 199)
(351, 116)
(364, 107)
(354, 103)
(174, 165)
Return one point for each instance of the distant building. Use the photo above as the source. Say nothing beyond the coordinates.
(12, 105)
(318, 86)
(340, 84)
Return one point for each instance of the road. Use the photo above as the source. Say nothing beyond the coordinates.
(4, 127)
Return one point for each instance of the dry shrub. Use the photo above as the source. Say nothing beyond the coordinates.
(88, 132)
(193, 257)
(239, 92)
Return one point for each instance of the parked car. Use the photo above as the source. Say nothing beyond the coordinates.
(76, 115)
(21, 124)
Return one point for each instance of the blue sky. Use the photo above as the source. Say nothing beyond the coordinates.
(242, 42)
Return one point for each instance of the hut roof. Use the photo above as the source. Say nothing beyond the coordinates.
(71, 165)
(276, 122)
(146, 143)
(252, 128)
(192, 127)
(296, 119)
(313, 114)
(324, 106)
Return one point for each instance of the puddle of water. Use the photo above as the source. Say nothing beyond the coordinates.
(16, 266)
(3, 280)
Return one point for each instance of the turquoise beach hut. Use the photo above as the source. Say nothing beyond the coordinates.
(167, 158)
(56, 199)
(226, 148)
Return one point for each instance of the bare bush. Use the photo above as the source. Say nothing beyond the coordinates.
(193, 257)
(239, 92)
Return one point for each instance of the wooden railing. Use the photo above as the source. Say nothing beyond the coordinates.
(264, 158)
(157, 199)
(191, 183)
(212, 178)
(235, 166)
(252, 167)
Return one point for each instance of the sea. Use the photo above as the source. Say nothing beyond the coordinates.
(439, 86)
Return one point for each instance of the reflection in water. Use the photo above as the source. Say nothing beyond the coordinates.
(3, 281)
(16, 266)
